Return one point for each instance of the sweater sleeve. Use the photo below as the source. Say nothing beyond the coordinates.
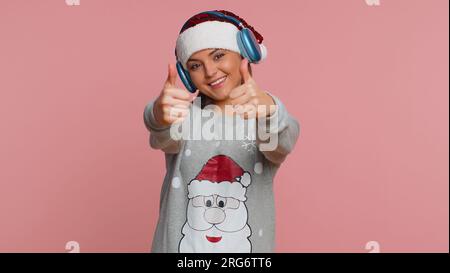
(277, 134)
(159, 135)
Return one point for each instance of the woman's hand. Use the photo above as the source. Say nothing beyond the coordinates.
(248, 99)
(172, 105)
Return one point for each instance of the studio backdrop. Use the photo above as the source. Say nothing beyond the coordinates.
(366, 79)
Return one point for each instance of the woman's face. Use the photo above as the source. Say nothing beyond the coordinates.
(215, 72)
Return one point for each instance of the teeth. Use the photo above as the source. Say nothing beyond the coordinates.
(218, 81)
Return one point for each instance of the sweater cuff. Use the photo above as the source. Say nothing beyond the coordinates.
(150, 120)
(276, 122)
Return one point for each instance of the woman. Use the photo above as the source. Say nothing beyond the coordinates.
(217, 194)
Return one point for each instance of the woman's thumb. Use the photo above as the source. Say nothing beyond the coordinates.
(171, 76)
(245, 74)
(194, 95)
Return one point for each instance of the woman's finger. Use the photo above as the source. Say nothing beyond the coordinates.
(238, 91)
(242, 99)
(175, 102)
(249, 110)
(178, 112)
(179, 93)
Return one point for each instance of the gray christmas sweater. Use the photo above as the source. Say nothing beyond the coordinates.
(217, 194)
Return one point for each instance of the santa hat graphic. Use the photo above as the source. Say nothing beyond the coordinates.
(222, 176)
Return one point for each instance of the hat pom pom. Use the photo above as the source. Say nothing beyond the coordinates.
(263, 51)
(245, 179)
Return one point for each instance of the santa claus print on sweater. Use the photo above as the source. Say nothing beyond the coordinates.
(216, 219)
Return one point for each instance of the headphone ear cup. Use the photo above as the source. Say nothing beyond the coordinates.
(185, 78)
(241, 46)
(248, 45)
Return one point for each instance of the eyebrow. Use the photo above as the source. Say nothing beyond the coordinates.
(210, 53)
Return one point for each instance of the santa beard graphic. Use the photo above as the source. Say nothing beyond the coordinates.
(216, 230)
(216, 213)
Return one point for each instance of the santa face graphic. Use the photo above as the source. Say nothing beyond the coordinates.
(216, 219)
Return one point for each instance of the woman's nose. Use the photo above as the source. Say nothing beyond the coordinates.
(210, 70)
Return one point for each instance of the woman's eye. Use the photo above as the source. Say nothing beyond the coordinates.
(218, 56)
(194, 66)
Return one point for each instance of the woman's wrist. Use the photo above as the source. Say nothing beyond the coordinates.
(269, 103)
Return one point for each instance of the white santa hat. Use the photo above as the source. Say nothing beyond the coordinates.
(222, 176)
(204, 31)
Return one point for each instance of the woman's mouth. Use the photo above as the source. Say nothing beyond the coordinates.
(218, 83)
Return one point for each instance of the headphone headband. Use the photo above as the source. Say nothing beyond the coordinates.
(233, 20)
(201, 18)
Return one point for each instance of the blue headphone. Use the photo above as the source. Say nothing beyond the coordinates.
(248, 46)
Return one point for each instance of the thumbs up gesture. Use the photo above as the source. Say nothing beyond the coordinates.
(248, 99)
(173, 103)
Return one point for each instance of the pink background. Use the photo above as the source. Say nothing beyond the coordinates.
(368, 84)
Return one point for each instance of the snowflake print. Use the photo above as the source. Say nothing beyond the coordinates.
(249, 144)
